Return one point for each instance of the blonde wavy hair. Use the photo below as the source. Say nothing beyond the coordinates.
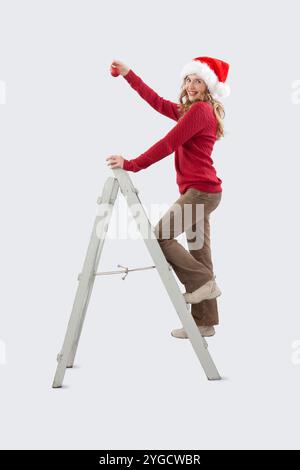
(185, 104)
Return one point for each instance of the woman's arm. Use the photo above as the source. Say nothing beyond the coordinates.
(194, 121)
(165, 107)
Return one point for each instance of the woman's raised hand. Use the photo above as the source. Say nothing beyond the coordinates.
(122, 68)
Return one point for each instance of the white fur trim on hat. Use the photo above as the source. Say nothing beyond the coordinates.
(222, 90)
(216, 88)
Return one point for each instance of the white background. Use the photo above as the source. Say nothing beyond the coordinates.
(134, 386)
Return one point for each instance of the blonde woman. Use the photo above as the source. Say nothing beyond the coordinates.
(199, 116)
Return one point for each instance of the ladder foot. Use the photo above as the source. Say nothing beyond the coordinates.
(56, 386)
(215, 378)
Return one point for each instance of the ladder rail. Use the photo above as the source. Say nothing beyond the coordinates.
(84, 289)
(167, 277)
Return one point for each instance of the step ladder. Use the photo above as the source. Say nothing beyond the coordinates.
(86, 279)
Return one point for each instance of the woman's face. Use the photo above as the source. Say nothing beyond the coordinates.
(194, 86)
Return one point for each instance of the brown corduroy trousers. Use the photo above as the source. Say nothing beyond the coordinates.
(190, 214)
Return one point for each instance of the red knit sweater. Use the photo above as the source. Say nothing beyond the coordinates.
(192, 139)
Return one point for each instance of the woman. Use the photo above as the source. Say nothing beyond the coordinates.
(199, 116)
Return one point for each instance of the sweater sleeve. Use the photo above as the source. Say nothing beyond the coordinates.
(191, 123)
(163, 106)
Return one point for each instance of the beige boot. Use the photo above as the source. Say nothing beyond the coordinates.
(204, 331)
(210, 290)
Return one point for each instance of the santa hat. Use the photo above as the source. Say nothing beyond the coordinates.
(214, 73)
